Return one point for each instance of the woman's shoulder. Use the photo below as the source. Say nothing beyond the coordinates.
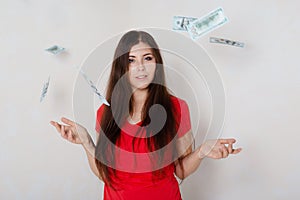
(177, 102)
(182, 115)
(100, 110)
(99, 114)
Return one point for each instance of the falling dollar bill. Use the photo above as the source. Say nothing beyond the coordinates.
(102, 99)
(207, 23)
(226, 41)
(45, 89)
(55, 49)
(180, 23)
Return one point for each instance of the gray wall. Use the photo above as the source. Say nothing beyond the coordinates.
(261, 81)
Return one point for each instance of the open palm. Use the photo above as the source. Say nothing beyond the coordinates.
(73, 132)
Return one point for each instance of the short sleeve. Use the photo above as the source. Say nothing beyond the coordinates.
(182, 117)
(99, 117)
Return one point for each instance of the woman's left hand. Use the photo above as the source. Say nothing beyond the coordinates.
(218, 149)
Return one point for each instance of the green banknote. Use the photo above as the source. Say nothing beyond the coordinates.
(180, 23)
(207, 23)
(45, 89)
(226, 41)
(102, 98)
(55, 49)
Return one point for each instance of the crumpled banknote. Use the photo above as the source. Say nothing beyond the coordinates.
(207, 23)
(45, 89)
(197, 27)
(180, 23)
(226, 41)
(55, 49)
(102, 98)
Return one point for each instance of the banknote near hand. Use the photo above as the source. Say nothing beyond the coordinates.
(207, 23)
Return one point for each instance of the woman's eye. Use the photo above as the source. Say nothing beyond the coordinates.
(130, 60)
(148, 58)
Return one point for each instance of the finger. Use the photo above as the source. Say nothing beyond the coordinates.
(70, 136)
(224, 152)
(220, 154)
(67, 121)
(67, 128)
(62, 132)
(235, 151)
(227, 141)
(52, 123)
(56, 125)
(230, 148)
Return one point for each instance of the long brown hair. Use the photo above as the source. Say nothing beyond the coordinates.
(118, 94)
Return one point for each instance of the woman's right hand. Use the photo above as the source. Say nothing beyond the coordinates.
(73, 132)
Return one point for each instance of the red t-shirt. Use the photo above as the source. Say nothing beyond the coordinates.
(131, 186)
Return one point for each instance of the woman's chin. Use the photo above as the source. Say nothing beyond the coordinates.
(141, 87)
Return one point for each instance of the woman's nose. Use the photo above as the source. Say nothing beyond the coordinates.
(141, 65)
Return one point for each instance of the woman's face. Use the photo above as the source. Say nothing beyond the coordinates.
(142, 65)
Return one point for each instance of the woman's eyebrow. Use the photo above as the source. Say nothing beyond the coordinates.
(143, 55)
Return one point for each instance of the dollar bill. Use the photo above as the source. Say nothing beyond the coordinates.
(55, 49)
(180, 23)
(102, 99)
(226, 41)
(45, 89)
(207, 23)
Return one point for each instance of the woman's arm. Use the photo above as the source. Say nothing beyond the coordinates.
(90, 152)
(77, 134)
(191, 160)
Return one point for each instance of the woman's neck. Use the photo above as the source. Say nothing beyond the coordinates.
(139, 99)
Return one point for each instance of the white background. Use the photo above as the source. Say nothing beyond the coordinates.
(262, 83)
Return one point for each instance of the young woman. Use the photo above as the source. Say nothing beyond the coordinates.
(144, 137)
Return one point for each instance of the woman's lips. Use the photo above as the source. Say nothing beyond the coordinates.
(141, 77)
